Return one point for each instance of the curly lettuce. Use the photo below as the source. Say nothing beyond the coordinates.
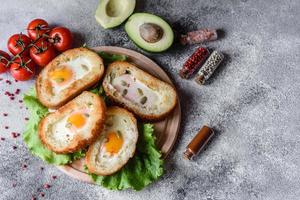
(32, 140)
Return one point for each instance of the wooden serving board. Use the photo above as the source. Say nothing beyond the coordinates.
(166, 131)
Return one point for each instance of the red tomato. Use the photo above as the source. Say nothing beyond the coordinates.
(36, 28)
(4, 58)
(22, 69)
(42, 52)
(17, 43)
(61, 38)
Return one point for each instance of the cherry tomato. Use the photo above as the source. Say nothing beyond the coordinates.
(17, 43)
(4, 58)
(61, 38)
(42, 52)
(22, 69)
(36, 28)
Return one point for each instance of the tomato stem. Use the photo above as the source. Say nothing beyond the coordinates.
(24, 48)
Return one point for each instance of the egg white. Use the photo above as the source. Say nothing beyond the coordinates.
(63, 134)
(78, 71)
(105, 159)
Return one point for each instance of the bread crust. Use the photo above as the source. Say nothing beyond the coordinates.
(77, 142)
(43, 84)
(114, 110)
(154, 82)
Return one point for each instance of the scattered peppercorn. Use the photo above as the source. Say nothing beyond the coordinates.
(20, 101)
(6, 127)
(8, 82)
(42, 194)
(26, 118)
(17, 91)
(15, 147)
(46, 186)
(42, 168)
(15, 135)
(54, 177)
(12, 98)
(2, 138)
(5, 114)
(24, 166)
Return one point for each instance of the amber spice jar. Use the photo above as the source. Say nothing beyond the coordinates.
(198, 142)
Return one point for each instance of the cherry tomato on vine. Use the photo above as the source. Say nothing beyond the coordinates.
(4, 58)
(22, 69)
(61, 38)
(36, 28)
(42, 52)
(17, 43)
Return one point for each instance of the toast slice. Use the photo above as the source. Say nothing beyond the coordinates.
(74, 125)
(138, 91)
(115, 145)
(68, 75)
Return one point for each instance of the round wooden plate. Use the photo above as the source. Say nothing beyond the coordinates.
(166, 131)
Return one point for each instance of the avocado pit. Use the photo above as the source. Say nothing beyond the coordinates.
(151, 32)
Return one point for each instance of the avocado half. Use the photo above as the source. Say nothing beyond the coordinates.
(149, 32)
(111, 13)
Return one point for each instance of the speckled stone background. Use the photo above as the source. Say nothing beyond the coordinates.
(252, 101)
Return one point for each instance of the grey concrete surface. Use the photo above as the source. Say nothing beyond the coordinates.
(252, 101)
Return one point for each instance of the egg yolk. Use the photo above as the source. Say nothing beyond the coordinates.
(61, 75)
(114, 142)
(77, 120)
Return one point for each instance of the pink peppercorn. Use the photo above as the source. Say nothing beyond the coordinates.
(17, 91)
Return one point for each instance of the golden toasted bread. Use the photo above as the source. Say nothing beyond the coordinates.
(115, 145)
(68, 75)
(138, 91)
(74, 125)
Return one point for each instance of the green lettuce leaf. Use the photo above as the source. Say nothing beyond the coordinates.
(109, 58)
(32, 140)
(100, 91)
(144, 168)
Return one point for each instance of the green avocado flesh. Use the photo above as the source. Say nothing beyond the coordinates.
(149, 32)
(111, 13)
